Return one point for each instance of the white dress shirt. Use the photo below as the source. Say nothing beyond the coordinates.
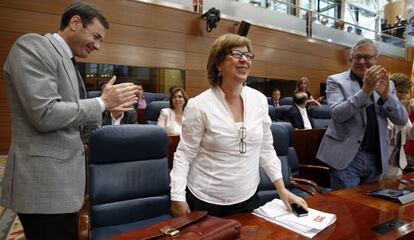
(208, 160)
(167, 121)
(116, 121)
(304, 114)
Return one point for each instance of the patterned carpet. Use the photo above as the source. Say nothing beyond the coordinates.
(10, 227)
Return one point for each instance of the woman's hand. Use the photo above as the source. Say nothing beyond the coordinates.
(287, 197)
(179, 208)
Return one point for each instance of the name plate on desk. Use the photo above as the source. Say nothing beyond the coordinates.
(396, 195)
(406, 198)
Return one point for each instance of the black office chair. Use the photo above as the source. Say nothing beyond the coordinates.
(321, 116)
(281, 113)
(128, 180)
(286, 101)
(153, 110)
(272, 113)
(281, 143)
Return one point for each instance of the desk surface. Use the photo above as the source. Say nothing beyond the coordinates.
(356, 214)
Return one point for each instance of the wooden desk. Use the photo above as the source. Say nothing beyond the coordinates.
(356, 214)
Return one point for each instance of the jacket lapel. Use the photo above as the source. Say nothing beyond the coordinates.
(67, 64)
(355, 88)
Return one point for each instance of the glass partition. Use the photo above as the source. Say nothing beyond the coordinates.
(158, 80)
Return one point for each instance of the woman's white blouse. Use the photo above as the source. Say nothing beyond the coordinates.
(167, 121)
(208, 160)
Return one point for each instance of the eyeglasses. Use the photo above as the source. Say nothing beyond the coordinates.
(239, 54)
(242, 136)
(365, 57)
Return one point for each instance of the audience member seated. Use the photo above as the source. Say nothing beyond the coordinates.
(321, 116)
(275, 99)
(298, 114)
(141, 103)
(118, 118)
(398, 135)
(170, 118)
(303, 86)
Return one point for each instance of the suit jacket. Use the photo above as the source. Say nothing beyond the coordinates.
(295, 118)
(130, 117)
(348, 103)
(271, 103)
(45, 171)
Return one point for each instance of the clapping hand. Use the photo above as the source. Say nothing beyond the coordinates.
(119, 97)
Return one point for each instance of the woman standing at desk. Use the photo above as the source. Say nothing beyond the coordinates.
(225, 138)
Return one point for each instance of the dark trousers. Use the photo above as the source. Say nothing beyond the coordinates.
(49, 226)
(196, 204)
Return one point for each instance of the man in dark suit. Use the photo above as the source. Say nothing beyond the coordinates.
(118, 118)
(298, 114)
(44, 180)
(275, 99)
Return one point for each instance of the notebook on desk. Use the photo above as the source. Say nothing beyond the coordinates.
(397, 195)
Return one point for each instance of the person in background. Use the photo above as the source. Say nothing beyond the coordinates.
(303, 86)
(225, 138)
(45, 178)
(171, 118)
(298, 114)
(115, 117)
(141, 103)
(275, 99)
(360, 100)
(398, 135)
(409, 146)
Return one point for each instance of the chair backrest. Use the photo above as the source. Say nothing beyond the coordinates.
(128, 174)
(272, 113)
(281, 140)
(151, 97)
(281, 113)
(93, 94)
(286, 101)
(321, 116)
(152, 112)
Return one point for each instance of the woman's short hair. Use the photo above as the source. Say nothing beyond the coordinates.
(173, 92)
(220, 48)
(402, 82)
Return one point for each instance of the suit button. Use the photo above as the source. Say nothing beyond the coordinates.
(359, 141)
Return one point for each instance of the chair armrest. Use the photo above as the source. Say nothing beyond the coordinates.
(301, 182)
(84, 221)
(314, 167)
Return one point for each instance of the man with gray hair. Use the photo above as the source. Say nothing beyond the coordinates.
(360, 99)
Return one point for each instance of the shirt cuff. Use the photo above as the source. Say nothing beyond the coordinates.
(101, 103)
(178, 197)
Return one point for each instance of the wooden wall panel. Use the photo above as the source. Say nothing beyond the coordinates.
(149, 35)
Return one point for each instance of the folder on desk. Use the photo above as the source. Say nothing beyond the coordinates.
(275, 211)
(396, 195)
